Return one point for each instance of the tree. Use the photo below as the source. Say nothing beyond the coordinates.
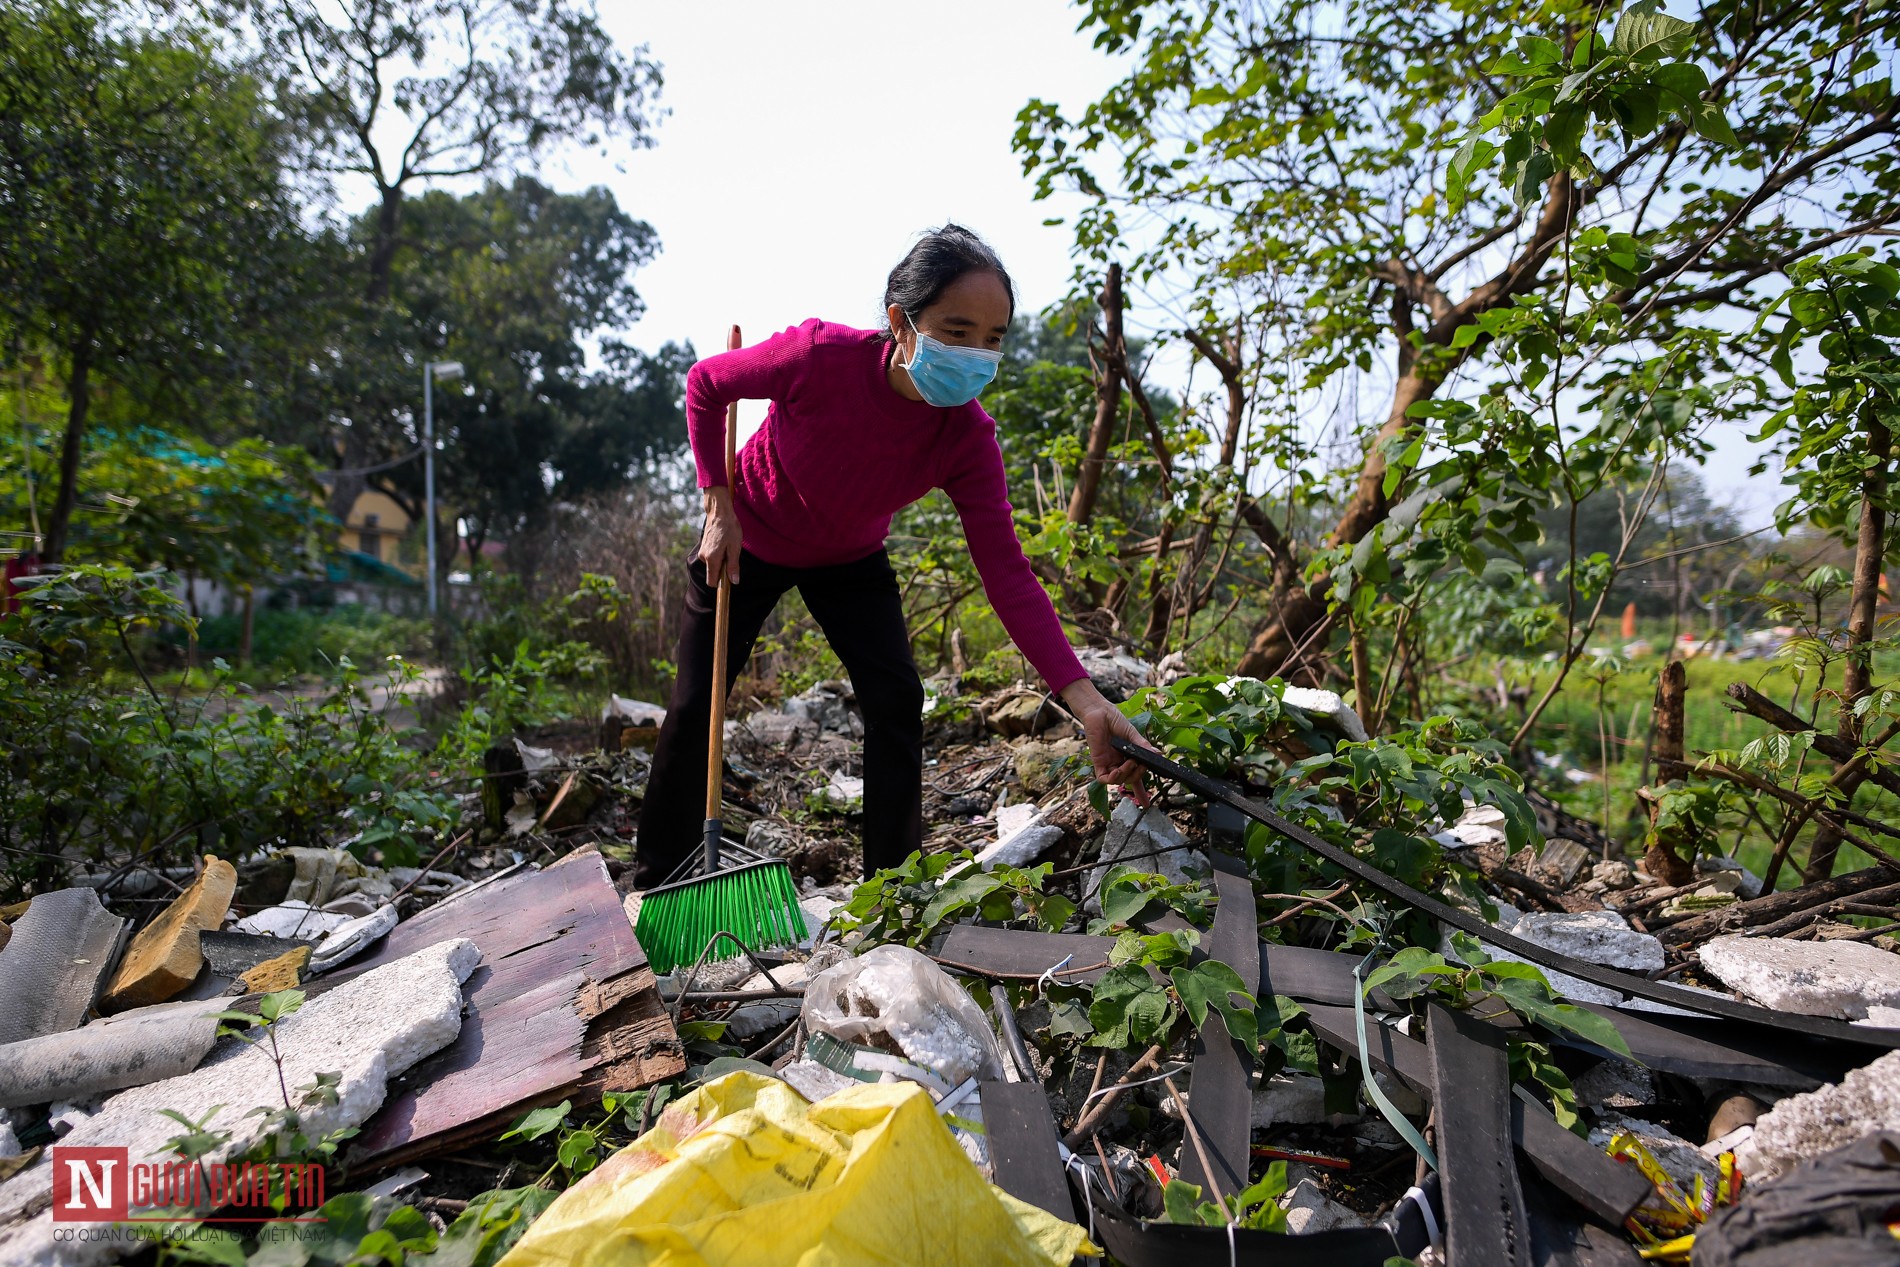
(510, 280)
(142, 213)
(1557, 216)
(409, 92)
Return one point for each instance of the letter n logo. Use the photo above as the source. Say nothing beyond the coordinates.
(89, 1184)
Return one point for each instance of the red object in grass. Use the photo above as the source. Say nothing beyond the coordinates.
(1160, 1168)
(1295, 1154)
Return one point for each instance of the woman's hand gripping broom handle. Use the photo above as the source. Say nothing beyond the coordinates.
(722, 620)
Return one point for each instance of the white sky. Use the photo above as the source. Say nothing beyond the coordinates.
(808, 145)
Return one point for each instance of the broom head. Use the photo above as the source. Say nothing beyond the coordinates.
(757, 902)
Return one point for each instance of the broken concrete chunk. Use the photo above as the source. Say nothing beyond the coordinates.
(1289, 1099)
(164, 956)
(315, 873)
(1680, 1159)
(128, 1050)
(1029, 713)
(1599, 937)
(767, 1014)
(291, 919)
(50, 971)
(367, 1030)
(285, 972)
(1309, 1209)
(827, 706)
(1812, 978)
(1326, 707)
(232, 954)
(352, 939)
(815, 1081)
(1744, 884)
(1133, 833)
(843, 792)
(1022, 834)
(1614, 874)
(1116, 674)
(1804, 1126)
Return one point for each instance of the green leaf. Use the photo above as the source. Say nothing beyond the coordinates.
(1408, 972)
(1711, 123)
(1212, 984)
(1649, 37)
(1129, 1008)
(535, 1123)
(490, 1226)
(1563, 132)
(1180, 1201)
(966, 890)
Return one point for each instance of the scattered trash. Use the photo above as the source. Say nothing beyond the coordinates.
(365, 1033)
(51, 969)
(746, 1161)
(897, 1000)
(346, 941)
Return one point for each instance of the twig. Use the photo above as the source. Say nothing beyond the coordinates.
(1094, 1117)
(1194, 1137)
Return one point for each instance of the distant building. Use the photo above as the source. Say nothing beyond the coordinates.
(378, 528)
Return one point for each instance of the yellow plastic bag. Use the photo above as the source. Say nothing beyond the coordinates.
(745, 1173)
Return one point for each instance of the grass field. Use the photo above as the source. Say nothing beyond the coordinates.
(1600, 723)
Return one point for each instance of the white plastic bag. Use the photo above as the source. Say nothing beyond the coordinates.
(892, 995)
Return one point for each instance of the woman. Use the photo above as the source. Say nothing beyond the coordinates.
(861, 425)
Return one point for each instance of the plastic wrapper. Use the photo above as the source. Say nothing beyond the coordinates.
(895, 999)
(745, 1173)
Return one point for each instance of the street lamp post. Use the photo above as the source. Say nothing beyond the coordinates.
(432, 370)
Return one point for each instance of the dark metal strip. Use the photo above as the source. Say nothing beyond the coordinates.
(1609, 978)
(1485, 1223)
(1220, 1101)
(1023, 1150)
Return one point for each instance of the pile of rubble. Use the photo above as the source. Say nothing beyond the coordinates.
(448, 1000)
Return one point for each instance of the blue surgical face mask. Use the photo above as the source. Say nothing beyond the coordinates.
(947, 376)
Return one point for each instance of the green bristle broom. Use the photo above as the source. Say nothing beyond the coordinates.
(755, 901)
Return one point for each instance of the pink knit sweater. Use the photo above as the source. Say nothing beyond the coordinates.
(841, 453)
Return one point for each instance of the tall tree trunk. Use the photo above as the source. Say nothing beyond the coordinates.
(79, 406)
(1858, 674)
(1108, 401)
(1227, 363)
(1293, 618)
(382, 251)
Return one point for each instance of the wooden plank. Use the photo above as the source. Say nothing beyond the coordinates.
(1485, 1222)
(562, 1006)
(1220, 1101)
(1023, 1148)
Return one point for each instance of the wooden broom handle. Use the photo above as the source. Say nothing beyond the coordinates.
(722, 623)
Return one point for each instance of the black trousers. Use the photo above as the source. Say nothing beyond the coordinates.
(858, 607)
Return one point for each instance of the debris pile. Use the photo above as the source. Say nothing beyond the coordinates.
(1341, 1006)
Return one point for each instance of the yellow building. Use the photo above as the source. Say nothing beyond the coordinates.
(378, 526)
